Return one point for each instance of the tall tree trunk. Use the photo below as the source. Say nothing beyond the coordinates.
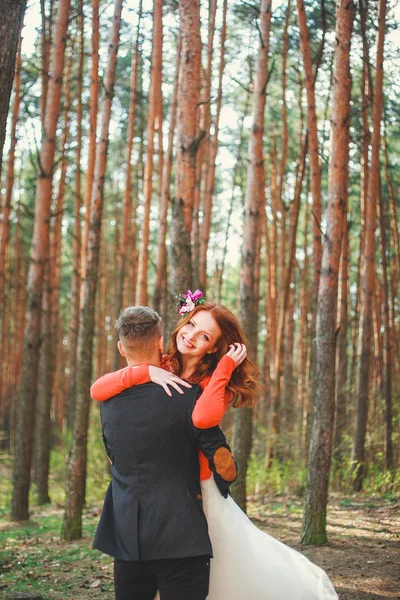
(289, 383)
(51, 316)
(39, 256)
(202, 158)
(368, 275)
(127, 201)
(302, 342)
(77, 234)
(255, 202)
(160, 288)
(210, 173)
(76, 466)
(12, 17)
(155, 90)
(323, 399)
(94, 108)
(315, 168)
(6, 208)
(46, 41)
(387, 339)
(341, 353)
(283, 300)
(188, 100)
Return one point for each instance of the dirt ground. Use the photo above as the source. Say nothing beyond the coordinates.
(362, 558)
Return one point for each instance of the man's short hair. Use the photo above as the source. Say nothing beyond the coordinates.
(138, 328)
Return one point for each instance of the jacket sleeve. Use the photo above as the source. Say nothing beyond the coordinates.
(214, 401)
(213, 444)
(114, 383)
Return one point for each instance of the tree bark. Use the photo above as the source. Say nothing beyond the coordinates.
(155, 90)
(202, 158)
(160, 288)
(76, 466)
(94, 108)
(188, 143)
(323, 398)
(368, 275)
(254, 204)
(39, 256)
(387, 339)
(77, 233)
(127, 201)
(6, 208)
(210, 162)
(341, 353)
(12, 17)
(51, 316)
(315, 168)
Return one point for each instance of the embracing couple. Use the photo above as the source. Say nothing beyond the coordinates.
(167, 510)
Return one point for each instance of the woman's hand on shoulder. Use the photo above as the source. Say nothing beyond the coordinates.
(237, 352)
(165, 379)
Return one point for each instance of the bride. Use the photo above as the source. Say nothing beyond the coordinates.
(208, 347)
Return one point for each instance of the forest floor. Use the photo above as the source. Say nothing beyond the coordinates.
(362, 557)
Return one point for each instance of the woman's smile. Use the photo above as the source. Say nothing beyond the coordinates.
(198, 335)
(186, 342)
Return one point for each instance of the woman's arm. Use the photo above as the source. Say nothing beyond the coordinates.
(114, 383)
(214, 401)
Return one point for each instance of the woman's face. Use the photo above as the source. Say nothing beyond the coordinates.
(198, 336)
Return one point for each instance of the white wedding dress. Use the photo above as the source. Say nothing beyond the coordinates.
(249, 564)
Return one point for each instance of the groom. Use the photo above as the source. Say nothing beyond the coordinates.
(152, 521)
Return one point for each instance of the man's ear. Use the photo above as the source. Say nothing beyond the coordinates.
(121, 349)
(161, 345)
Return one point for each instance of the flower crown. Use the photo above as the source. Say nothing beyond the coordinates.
(188, 301)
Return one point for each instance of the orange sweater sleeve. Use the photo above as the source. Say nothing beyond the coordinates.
(214, 401)
(112, 384)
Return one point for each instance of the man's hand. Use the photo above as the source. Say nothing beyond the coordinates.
(165, 378)
(237, 352)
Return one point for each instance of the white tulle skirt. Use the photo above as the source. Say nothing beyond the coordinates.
(249, 564)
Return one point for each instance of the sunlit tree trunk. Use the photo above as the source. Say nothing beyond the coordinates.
(39, 256)
(188, 143)
(202, 158)
(315, 168)
(323, 396)
(290, 385)
(94, 108)
(387, 338)
(46, 41)
(160, 288)
(283, 299)
(50, 316)
(6, 208)
(155, 90)
(10, 27)
(366, 95)
(342, 349)
(255, 202)
(76, 466)
(302, 342)
(76, 234)
(127, 201)
(368, 275)
(210, 172)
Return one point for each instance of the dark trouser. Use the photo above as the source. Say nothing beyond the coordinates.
(177, 579)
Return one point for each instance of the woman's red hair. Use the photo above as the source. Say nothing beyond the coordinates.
(243, 383)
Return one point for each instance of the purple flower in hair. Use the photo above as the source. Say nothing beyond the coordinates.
(189, 301)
